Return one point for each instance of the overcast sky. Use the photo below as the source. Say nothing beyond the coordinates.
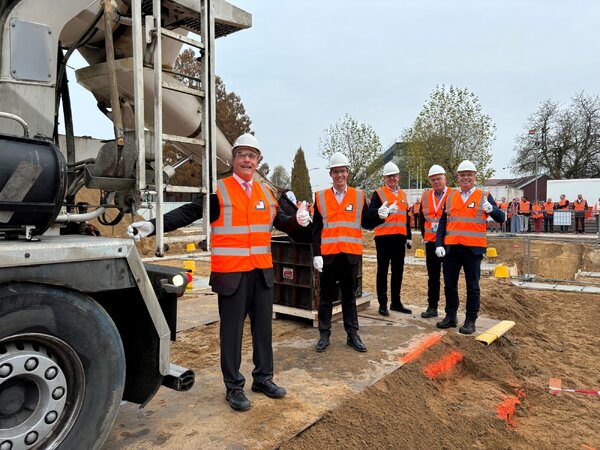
(304, 65)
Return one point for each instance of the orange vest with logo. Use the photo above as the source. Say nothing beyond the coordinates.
(524, 208)
(537, 212)
(466, 221)
(432, 216)
(549, 208)
(342, 232)
(394, 223)
(241, 236)
(579, 206)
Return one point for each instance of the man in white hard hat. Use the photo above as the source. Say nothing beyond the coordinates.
(340, 212)
(461, 241)
(392, 236)
(242, 212)
(432, 201)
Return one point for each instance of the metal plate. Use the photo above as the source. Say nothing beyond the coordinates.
(30, 51)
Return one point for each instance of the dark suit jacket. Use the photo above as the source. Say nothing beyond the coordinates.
(366, 221)
(224, 283)
(496, 214)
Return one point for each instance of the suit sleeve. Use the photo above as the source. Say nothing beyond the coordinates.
(285, 223)
(317, 230)
(496, 213)
(374, 219)
(441, 231)
(189, 213)
(422, 221)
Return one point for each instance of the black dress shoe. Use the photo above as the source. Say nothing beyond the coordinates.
(383, 311)
(322, 344)
(431, 312)
(237, 399)
(468, 327)
(269, 388)
(447, 322)
(355, 342)
(401, 308)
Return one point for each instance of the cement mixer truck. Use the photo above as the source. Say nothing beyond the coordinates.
(84, 324)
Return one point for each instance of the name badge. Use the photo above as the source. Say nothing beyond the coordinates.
(434, 227)
(471, 205)
(260, 206)
(350, 207)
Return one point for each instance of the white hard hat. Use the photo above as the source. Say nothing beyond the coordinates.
(246, 140)
(466, 166)
(338, 160)
(436, 170)
(390, 169)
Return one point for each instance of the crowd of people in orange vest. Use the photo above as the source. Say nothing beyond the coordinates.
(523, 216)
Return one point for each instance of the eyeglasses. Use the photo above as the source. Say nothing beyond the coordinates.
(250, 155)
(339, 171)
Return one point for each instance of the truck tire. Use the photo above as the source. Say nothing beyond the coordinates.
(62, 369)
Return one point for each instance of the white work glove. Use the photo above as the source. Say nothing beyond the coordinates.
(440, 252)
(383, 211)
(394, 208)
(138, 230)
(409, 243)
(302, 215)
(318, 263)
(487, 207)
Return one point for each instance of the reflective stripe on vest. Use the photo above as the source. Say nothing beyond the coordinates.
(394, 223)
(241, 236)
(465, 225)
(341, 232)
(429, 212)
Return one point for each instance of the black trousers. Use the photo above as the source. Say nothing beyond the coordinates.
(390, 249)
(548, 226)
(255, 299)
(579, 222)
(460, 256)
(434, 269)
(339, 270)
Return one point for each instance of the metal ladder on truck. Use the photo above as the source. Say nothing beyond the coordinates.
(154, 32)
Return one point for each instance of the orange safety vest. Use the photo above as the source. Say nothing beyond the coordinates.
(341, 222)
(579, 206)
(563, 204)
(537, 212)
(241, 236)
(394, 223)
(549, 208)
(524, 208)
(416, 208)
(466, 221)
(432, 216)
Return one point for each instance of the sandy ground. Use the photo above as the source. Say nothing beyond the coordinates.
(556, 335)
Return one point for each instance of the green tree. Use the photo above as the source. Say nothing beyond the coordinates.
(280, 177)
(566, 140)
(362, 147)
(450, 128)
(300, 177)
(231, 114)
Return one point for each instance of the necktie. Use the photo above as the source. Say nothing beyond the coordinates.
(247, 188)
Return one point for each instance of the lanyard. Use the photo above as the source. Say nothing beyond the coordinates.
(437, 205)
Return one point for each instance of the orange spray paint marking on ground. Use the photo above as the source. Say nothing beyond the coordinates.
(444, 365)
(420, 349)
(587, 447)
(507, 408)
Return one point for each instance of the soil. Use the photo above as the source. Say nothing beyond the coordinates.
(555, 336)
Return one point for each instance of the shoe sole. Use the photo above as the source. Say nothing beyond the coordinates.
(384, 314)
(446, 326)
(429, 316)
(235, 408)
(255, 389)
(466, 332)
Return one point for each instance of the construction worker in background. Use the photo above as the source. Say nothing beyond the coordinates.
(416, 210)
(580, 206)
(461, 241)
(503, 205)
(392, 236)
(549, 207)
(431, 211)
(515, 224)
(537, 216)
(340, 211)
(242, 212)
(524, 214)
(563, 205)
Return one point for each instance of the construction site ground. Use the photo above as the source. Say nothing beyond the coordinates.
(345, 399)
